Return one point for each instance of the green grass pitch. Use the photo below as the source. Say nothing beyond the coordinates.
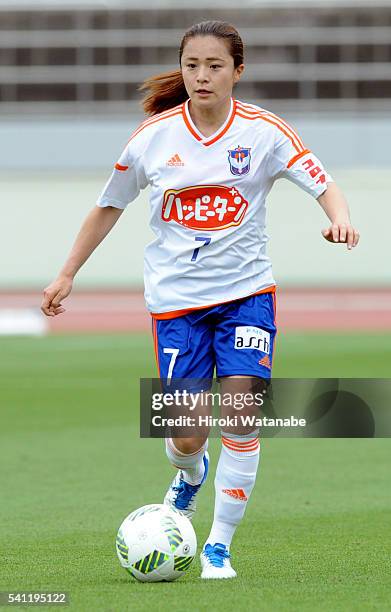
(317, 531)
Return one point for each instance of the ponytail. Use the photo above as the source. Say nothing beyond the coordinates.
(168, 89)
(165, 91)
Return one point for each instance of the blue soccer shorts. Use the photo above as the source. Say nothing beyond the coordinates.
(235, 338)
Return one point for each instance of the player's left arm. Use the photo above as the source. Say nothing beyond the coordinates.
(290, 159)
(336, 208)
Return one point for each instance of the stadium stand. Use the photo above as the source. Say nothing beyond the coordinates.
(90, 57)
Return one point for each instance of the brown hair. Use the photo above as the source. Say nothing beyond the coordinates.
(168, 89)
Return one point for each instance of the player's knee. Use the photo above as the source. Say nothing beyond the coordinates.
(189, 445)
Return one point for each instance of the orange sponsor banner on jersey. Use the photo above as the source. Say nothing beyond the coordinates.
(210, 207)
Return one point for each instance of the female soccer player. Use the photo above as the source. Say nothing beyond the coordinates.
(210, 160)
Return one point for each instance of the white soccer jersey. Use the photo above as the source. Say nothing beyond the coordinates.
(208, 201)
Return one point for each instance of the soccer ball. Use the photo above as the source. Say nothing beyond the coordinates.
(156, 543)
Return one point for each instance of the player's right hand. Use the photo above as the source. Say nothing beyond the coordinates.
(53, 294)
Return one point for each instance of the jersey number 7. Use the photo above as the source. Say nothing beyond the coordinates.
(206, 240)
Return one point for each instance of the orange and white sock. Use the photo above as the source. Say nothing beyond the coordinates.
(235, 478)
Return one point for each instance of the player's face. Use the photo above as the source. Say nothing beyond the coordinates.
(208, 71)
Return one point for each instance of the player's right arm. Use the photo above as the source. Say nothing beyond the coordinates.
(94, 229)
(124, 185)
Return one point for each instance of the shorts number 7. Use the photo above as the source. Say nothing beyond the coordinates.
(174, 354)
(204, 239)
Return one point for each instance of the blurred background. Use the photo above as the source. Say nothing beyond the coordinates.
(69, 101)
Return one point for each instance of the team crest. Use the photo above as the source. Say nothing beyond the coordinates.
(239, 160)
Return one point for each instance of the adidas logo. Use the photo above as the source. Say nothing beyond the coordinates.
(265, 361)
(175, 161)
(236, 493)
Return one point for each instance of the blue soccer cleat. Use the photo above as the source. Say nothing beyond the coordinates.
(181, 496)
(215, 562)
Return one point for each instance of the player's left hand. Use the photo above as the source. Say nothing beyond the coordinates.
(342, 232)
